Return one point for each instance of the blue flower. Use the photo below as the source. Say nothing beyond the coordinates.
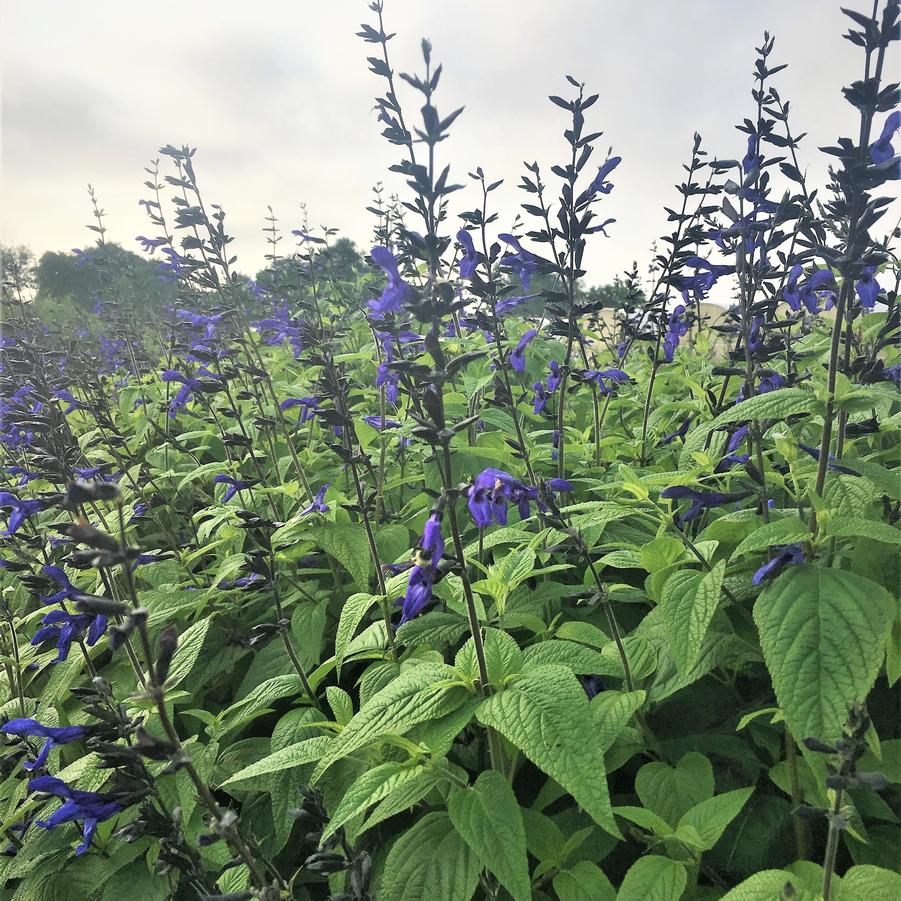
(795, 294)
(539, 401)
(558, 486)
(518, 354)
(521, 262)
(469, 262)
(243, 582)
(767, 383)
(234, 486)
(555, 377)
(89, 807)
(881, 149)
(379, 423)
(397, 292)
(308, 406)
(789, 554)
(52, 735)
(681, 432)
(752, 159)
(21, 510)
(502, 307)
(676, 327)
(492, 490)
(600, 377)
(700, 500)
(67, 396)
(600, 185)
(318, 505)
(867, 287)
(732, 457)
(280, 327)
(422, 574)
(593, 685)
(67, 589)
(64, 628)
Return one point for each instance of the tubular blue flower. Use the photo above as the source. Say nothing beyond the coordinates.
(676, 327)
(65, 395)
(52, 735)
(867, 287)
(789, 554)
(90, 808)
(67, 590)
(21, 510)
(281, 327)
(419, 592)
(63, 628)
(378, 423)
(518, 354)
(767, 383)
(25, 475)
(431, 545)
(318, 505)
(521, 262)
(308, 407)
(502, 307)
(469, 262)
(389, 380)
(732, 456)
(185, 394)
(881, 150)
(681, 432)
(616, 377)
(248, 581)
(555, 377)
(600, 185)
(555, 444)
(808, 293)
(490, 493)
(892, 374)
(539, 401)
(700, 500)
(592, 685)
(234, 486)
(831, 462)
(752, 159)
(397, 292)
(558, 486)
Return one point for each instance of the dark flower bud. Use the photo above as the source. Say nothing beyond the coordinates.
(809, 813)
(167, 646)
(326, 862)
(819, 747)
(84, 533)
(92, 603)
(875, 781)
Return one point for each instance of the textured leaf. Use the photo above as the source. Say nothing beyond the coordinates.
(348, 545)
(583, 882)
(711, 817)
(576, 657)
(488, 818)
(772, 405)
(673, 791)
(352, 614)
(547, 716)
(190, 645)
(612, 710)
(653, 878)
(403, 797)
(294, 755)
(823, 634)
(688, 604)
(430, 861)
(766, 885)
(870, 883)
(781, 531)
(413, 697)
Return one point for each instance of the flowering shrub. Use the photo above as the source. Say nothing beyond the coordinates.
(413, 584)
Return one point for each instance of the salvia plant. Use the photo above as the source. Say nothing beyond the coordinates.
(416, 578)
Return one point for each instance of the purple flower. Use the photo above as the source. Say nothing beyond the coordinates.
(700, 500)
(502, 307)
(67, 590)
(831, 462)
(234, 486)
(318, 505)
(21, 510)
(280, 327)
(794, 294)
(521, 262)
(308, 406)
(539, 401)
(558, 486)
(555, 377)
(469, 262)
(752, 159)
(600, 378)
(881, 149)
(388, 379)
(767, 383)
(593, 685)
(676, 327)
(600, 185)
(63, 628)
(491, 492)
(681, 432)
(379, 423)
(518, 354)
(67, 396)
(419, 592)
(397, 292)
(789, 554)
(867, 287)
(53, 735)
(732, 457)
(25, 475)
(248, 581)
(185, 394)
(89, 807)
(432, 542)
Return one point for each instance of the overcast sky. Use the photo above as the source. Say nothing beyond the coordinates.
(278, 100)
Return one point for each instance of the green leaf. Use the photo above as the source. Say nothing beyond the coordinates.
(646, 819)
(424, 692)
(488, 818)
(862, 528)
(766, 885)
(502, 657)
(673, 791)
(352, 614)
(583, 882)
(612, 710)
(781, 531)
(772, 405)
(711, 817)
(653, 878)
(847, 496)
(190, 644)
(688, 603)
(404, 796)
(294, 755)
(349, 546)
(823, 634)
(430, 861)
(369, 788)
(575, 657)
(871, 883)
(547, 716)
